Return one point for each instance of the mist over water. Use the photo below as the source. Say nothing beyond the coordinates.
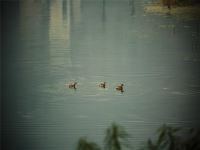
(48, 43)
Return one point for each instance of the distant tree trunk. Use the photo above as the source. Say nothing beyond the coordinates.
(169, 4)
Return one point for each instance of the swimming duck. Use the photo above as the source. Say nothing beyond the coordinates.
(73, 85)
(102, 85)
(120, 88)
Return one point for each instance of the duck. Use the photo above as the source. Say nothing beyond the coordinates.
(102, 85)
(120, 88)
(73, 85)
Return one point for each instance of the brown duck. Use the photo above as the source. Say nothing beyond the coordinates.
(120, 88)
(102, 85)
(73, 85)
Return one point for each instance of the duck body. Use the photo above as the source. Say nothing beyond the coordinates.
(120, 88)
(73, 85)
(102, 85)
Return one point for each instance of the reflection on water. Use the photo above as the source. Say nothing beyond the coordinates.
(195, 42)
(53, 42)
(104, 11)
(59, 32)
(131, 3)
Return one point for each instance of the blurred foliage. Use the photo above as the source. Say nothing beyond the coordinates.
(173, 138)
(115, 137)
(167, 138)
(181, 9)
(83, 144)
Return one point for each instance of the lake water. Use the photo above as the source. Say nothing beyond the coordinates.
(48, 43)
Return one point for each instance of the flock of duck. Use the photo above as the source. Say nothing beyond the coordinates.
(103, 85)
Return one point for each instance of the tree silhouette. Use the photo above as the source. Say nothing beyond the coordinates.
(167, 137)
(151, 145)
(192, 142)
(83, 144)
(115, 137)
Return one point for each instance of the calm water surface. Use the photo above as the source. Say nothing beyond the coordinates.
(49, 43)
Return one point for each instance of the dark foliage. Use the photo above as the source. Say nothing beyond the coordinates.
(168, 138)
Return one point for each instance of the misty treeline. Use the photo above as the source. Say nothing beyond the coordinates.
(167, 138)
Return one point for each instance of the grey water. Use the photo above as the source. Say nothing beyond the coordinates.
(49, 43)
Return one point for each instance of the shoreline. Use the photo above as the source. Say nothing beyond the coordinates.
(191, 12)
